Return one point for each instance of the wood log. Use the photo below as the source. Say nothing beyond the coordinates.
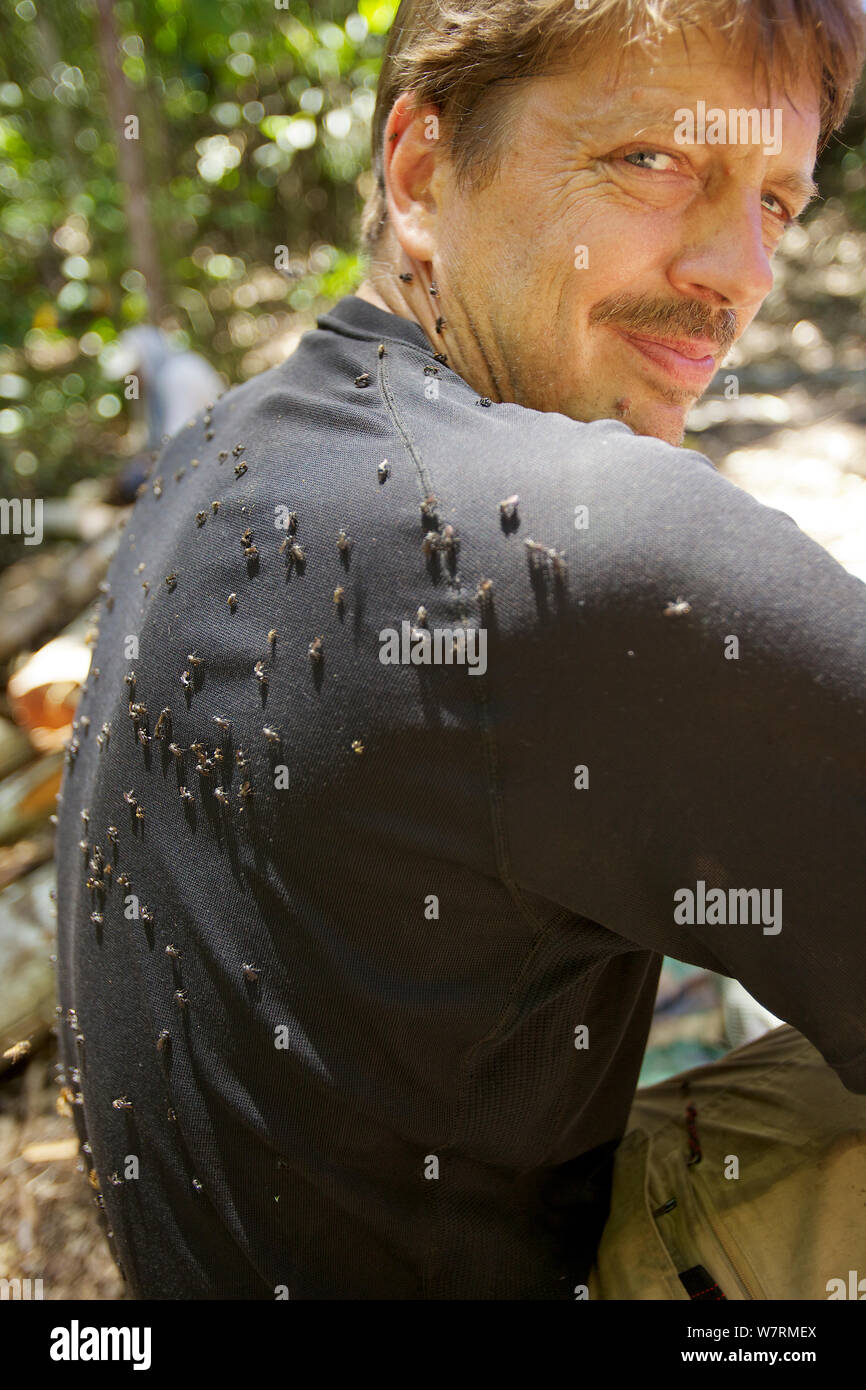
(28, 797)
(27, 939)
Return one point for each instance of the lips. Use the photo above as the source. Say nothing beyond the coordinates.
(691, 362)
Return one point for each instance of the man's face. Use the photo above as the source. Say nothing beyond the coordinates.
(678, 237)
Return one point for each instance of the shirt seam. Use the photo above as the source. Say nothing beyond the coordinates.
(541, 929)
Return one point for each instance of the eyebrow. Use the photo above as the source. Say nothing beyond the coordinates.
(800, 186)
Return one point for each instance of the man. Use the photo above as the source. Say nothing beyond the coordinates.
(439, 693)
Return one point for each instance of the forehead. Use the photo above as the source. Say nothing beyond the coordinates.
(642, 87)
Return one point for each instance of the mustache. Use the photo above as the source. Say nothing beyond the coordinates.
(668, 318)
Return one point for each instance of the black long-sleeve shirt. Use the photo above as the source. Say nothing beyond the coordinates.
(416, 911)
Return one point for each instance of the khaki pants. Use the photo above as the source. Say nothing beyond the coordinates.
(793, 1219)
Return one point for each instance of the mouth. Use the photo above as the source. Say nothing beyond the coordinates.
(690, 362)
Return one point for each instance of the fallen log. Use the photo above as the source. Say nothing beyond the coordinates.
(27, 940)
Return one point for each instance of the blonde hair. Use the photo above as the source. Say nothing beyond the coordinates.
(461, 56)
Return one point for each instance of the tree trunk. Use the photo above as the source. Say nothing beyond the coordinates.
(121, 105)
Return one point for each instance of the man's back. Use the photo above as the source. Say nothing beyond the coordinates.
(372, 992)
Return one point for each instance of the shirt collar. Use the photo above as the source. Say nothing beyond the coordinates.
(357, 318)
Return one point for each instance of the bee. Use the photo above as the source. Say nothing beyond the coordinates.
(363, 379)
(344, 542)
(186, 680)
(139, 813)
(232, 601)
(194, 659)
(172, 951)
(162, 723)
(406, 276)
(215, 506)
(193, 463)
(240, 469)
(200, 518)
(181, 998)
(83, 846)
(185, 794)
(106, 871)
(430, 370)
(508, 506)
(95, 885)
(178, 474)
(208, 434)
(430, 543)
(163, 1040)
(485, 591)
(434, 289)
(145, 913)
(383, 471)
(122, 1103)
(381, 349)
(144, 737)
(440, 324)
(259, 672)
(85, 817)
(115, 1180)
(106, 732)
(421, 617)
(130, 798)
(197, 1187)
(339, 594)
(205, 768)
(292, 523)
(272, 735)
(224, 724)
(241, 758)
(130, 681)
(171, 582)
(247, 537)
(197, 748)
(175, 750)
(251, 552)
(137, 711)
(428, 506)
(124, 880)
(245, 791)
(84, 721)
(272, 638)
(145, 586)
(221, 795)
(223, 455)
(238, 450)
(357, 746)
(250, 972)
(314, 651)
(440, 357)
(157, 487)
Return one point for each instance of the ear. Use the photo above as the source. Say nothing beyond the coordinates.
(412, 162)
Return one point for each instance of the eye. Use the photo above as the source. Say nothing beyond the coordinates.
(645, 155)
(783, 213)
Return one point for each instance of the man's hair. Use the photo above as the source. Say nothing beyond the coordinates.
(465, 56)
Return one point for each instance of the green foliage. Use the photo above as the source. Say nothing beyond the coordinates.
(254, 129)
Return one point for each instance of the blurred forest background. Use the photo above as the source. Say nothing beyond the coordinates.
(230, 222)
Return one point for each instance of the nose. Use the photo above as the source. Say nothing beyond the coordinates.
(724, 260)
